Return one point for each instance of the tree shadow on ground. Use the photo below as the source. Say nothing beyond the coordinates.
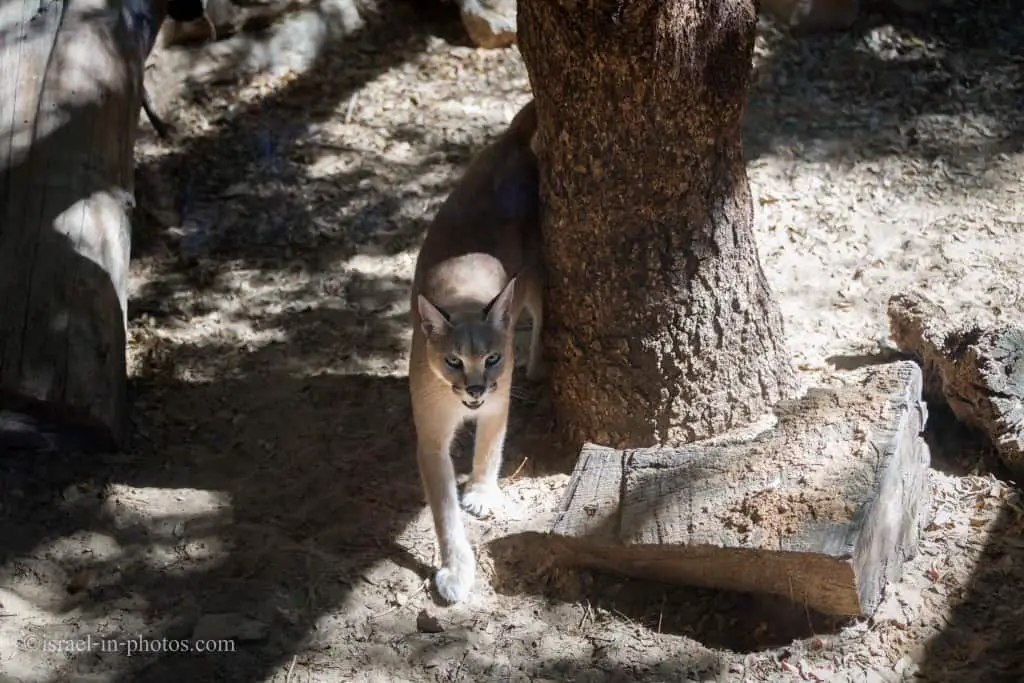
(269, 141)
(269, 472)
(312, 463)
(896, 86)
(980, 639)
(286, 473)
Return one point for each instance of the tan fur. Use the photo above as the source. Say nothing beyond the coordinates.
(478, 269)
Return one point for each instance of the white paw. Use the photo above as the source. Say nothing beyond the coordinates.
(454, 582)
(481, 500)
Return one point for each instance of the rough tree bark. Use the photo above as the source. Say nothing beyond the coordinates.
(70, 93)
(659, 323)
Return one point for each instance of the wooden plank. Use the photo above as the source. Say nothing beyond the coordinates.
(70, 89)
(822, 508)
(977, 370)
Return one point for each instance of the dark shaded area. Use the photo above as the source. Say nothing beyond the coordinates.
(981, 637)
(861, 360)
(956, 448)
(348, 490)
(732, 620)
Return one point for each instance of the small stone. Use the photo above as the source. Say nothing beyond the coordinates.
(428, 623)
(490, 23)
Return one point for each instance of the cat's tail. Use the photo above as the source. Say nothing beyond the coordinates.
(523, 127)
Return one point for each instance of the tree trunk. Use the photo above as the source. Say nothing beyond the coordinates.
(70, 92)
(660, 325)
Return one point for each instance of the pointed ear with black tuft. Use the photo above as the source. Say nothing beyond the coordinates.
(434, 321)
(499, 312)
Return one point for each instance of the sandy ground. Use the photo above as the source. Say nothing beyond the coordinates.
(270, 496)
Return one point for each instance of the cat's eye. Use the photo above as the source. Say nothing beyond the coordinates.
(454, 362)
(492, 360)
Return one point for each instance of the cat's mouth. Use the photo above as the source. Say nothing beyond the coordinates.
(473, 404)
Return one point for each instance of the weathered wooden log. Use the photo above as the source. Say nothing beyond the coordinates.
(978, 371)
(70, 93)
(822, 508)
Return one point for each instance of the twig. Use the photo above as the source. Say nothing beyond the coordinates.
(213, 29)
(351, 106)
(583, 619)
(661, 611)
(623, 615)
(807, 611)
(291, 669)
(519, 469)
(455, 676)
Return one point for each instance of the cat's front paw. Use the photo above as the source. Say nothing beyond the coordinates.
(455, 582)
(480, 500)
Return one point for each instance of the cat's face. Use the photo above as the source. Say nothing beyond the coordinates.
(471, 352)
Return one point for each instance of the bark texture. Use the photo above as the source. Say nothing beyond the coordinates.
(977, 370)
(660, 325)
(70, 92)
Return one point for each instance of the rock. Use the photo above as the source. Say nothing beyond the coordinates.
(428, 623)
(489, 23)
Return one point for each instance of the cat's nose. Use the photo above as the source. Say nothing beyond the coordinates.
(476, 390)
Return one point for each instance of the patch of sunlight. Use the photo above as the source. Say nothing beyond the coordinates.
(331, 162)
(67, 550)
(149, 506)
(172, 522)
(494, 110)
(890, 43)
(971, 127)
(382, 265)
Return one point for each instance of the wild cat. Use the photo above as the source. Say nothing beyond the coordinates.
(478, 269)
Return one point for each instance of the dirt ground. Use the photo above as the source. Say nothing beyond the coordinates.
(271, 480)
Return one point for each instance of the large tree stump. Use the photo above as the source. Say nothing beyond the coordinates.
(659, 323)
(70, 93)
(824, 508)
(979, 372)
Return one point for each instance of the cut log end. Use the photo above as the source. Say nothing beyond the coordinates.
(823, 508)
